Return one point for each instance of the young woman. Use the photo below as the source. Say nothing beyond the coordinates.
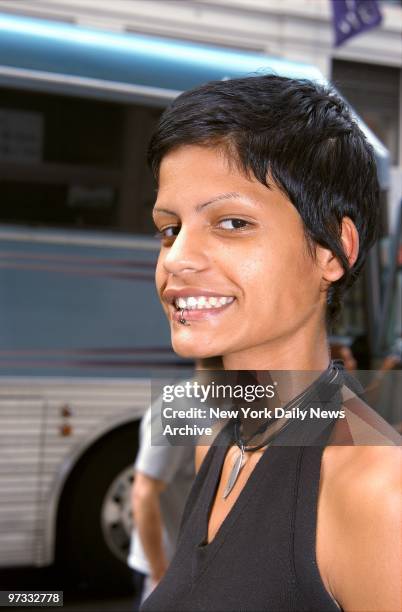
(267, 204)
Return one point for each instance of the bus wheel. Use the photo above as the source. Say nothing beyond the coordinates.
(95, 522)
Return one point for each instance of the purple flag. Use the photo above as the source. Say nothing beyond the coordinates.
(353, 17)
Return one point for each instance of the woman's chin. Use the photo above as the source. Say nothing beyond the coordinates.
(191, 350)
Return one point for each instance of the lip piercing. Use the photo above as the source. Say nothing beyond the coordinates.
(182, 320)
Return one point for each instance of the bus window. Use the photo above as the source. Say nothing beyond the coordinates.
(71, 162)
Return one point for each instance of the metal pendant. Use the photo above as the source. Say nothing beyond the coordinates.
(238, 464)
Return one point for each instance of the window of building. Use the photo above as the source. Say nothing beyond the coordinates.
(374, 92)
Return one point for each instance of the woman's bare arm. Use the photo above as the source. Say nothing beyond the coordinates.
(366, 570)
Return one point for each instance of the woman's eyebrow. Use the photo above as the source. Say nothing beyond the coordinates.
(166, 211)
(223, 196)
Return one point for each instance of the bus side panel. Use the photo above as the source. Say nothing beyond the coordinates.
(21, 432)
(77, 310)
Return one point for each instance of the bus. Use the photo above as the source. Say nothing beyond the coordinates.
(81, 328)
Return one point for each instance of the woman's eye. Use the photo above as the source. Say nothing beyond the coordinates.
(233, 224)
(168, 232)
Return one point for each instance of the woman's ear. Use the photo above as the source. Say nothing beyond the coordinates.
(331, 267)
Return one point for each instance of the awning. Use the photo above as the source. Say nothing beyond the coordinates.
(57, 57)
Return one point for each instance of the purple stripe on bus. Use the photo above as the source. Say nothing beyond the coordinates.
(85, 351)
(78, 271)
(77, 259)
(90, 364)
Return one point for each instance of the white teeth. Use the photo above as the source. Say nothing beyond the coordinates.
(201, 302)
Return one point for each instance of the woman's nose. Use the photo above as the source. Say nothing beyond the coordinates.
(187, 253)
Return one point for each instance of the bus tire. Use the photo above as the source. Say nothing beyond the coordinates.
(83, 549)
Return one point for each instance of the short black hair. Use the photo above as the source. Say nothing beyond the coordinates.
(297, 134)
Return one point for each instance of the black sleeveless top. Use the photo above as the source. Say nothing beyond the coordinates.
(263, 556)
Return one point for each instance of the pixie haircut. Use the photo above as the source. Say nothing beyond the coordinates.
(297, 135)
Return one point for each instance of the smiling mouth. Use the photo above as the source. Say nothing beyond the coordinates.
(200, 310)
(202, 302)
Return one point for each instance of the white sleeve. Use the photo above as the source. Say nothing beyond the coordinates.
(156, 457)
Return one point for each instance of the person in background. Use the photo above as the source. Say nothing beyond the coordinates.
(163, 478)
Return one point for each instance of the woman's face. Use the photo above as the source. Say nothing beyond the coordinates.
(225, 235)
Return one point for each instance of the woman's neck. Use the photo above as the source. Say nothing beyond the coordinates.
(305, 349)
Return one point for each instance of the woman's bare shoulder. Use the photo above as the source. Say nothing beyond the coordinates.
(357, 468)
(362, 449)
(363, 506)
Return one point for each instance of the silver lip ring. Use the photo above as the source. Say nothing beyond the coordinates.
(182, 320)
